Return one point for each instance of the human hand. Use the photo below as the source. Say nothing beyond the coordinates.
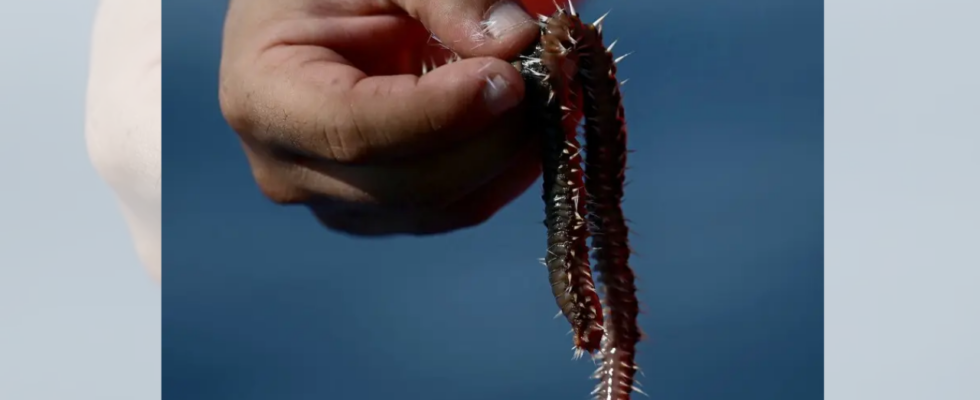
(332, 113)
(123, 116)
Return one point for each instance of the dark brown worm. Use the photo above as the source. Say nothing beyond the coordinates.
(549, 71)
(569, 74)
(605, 166)
(581, 76)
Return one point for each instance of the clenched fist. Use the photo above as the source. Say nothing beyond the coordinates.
(123, 115)
(329, 102)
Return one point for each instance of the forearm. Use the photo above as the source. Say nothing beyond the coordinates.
(123, 115)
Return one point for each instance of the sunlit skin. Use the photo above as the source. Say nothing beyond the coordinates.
(123, 116)
(327, 99)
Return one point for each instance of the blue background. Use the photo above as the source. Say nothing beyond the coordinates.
(725, 110)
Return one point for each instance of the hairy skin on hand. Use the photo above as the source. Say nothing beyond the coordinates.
(123, 116)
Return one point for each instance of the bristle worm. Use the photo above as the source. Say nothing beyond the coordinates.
(570, 76)
(605, 137)
(581, 78)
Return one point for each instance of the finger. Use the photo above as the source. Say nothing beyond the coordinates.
(472, 210)
(376, 44)
(429, 183)
(497, 28)
(336, 112)
(482, 204)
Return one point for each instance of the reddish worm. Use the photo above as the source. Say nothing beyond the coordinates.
(570, 75)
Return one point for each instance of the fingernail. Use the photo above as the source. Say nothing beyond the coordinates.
(503, 18)
(499, 95)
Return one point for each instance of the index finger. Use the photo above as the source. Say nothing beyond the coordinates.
(322, 106)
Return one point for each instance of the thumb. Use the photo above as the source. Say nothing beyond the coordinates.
(497, 28)
(404, 114)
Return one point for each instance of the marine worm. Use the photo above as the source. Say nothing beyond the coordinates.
(605, 137)
(567, 257)
(569, 75)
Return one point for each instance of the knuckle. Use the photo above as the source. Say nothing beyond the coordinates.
(234, 107)
(277, 187)
(342, 139)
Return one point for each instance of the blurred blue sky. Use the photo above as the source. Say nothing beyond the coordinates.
(725, 111)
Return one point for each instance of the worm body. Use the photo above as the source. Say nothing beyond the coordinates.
(567, 260)
(568, 231)
(577, 74)
(570, 75)
(605, 135)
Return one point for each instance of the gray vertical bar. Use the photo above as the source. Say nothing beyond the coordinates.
(80, 200)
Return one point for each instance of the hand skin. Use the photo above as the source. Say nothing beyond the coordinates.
(330, 109)
(123, 116)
